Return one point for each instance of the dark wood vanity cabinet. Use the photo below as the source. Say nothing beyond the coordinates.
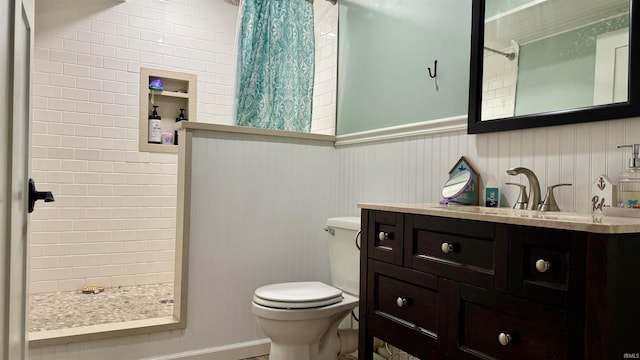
(446, 288)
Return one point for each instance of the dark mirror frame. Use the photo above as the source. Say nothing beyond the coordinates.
(627, 109)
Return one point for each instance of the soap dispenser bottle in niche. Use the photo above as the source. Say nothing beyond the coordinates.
(178, 119)
(155, 130)
(629, 181)
(181, 116)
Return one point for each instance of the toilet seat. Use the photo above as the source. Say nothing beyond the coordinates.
(297, 295)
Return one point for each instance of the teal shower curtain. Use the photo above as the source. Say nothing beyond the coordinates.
(276, 65)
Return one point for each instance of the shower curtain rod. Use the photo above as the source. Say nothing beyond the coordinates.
(509, 56)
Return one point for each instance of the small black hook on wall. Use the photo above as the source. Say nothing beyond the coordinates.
(435, 70)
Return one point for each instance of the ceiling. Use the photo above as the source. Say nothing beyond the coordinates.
(542, 18)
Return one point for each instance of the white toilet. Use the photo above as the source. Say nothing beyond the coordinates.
(302, 318)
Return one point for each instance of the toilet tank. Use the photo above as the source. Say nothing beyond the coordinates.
(344, 256)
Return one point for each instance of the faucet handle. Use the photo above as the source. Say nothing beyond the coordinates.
(523, 198)
(549, 203)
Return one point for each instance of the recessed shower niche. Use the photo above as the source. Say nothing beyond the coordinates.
(173, 96)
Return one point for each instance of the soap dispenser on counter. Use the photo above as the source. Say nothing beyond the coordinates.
(629, 181)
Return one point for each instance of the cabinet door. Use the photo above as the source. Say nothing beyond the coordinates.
(547, 265)
(407, 308)
(386, 236)
(492, 325)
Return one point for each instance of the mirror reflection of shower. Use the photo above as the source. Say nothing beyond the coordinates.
(500, 80)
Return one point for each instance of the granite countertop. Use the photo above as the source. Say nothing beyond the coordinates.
(594, 223)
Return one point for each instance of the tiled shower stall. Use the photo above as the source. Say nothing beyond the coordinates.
(113, 221)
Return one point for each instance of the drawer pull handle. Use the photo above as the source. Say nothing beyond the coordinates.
(543, 265)
(504, 339)
(385, 236)
(446, 248)
(401, 302)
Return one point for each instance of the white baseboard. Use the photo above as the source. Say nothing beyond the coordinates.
(227, 352)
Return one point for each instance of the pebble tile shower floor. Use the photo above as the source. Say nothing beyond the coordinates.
(62, 310)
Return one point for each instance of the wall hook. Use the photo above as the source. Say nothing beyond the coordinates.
(435, 70)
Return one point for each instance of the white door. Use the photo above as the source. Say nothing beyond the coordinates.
(612, 68)
(16, 46)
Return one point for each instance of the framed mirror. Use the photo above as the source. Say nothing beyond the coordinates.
(552, 62)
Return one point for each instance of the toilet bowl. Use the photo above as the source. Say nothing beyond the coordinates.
(302, 318)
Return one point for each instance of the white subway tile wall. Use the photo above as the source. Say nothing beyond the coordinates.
(324, 97)
(113, 221)
(500, 77)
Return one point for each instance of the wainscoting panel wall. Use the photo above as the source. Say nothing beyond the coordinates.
(414, 169)
(258, 210)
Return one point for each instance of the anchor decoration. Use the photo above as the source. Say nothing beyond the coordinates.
(604, 194)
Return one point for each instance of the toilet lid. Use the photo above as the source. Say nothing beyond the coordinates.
(297, 295)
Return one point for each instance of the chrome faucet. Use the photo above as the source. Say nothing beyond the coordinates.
(534, 185)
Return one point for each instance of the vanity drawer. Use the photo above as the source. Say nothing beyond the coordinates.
(386, 236)
(407, 308)
(547, 265)
(499, 326)
(462, 250)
